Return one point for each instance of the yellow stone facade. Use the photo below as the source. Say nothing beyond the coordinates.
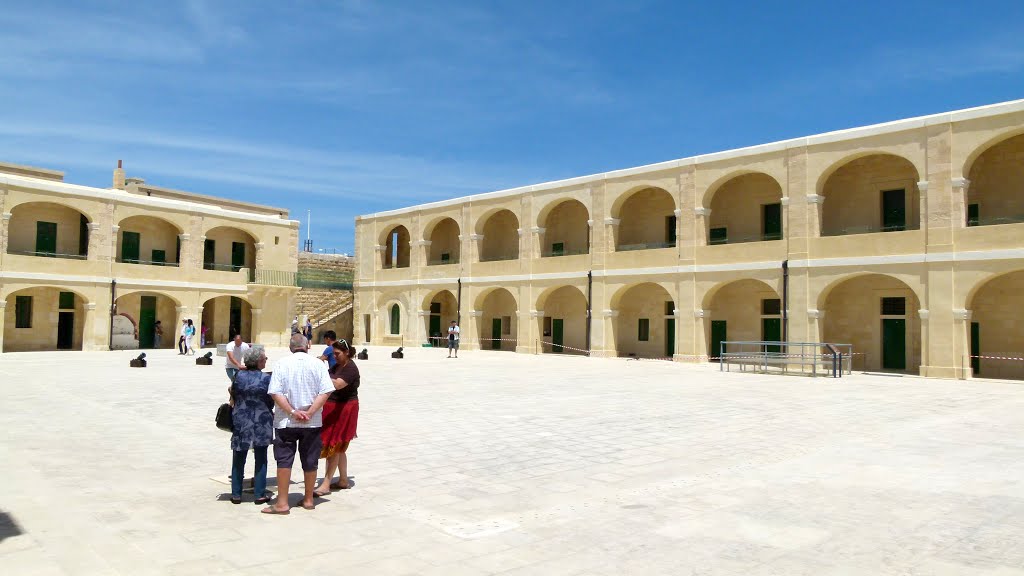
(902, 239)
(85, 268)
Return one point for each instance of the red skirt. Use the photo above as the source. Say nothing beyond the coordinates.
(339, 426)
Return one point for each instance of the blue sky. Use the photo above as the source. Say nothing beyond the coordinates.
(354, 107)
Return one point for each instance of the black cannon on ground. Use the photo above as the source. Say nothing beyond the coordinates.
(205, 359)
(139, 362)
(398, 353)
(364, 355)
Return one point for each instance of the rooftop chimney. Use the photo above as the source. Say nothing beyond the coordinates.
(119, 177)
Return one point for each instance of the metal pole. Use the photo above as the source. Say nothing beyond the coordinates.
(113, 312)
(458, 305)
(590, 287)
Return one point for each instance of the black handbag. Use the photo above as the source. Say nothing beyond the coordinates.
(224, 419)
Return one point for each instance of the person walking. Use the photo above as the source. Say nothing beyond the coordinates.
(299, 386)
(253, 418)
(158, 335)
(181, 339)
(328, 354)
(341, 414)
(453, 339)
(236, 350)
(309, 329)
(190, 332)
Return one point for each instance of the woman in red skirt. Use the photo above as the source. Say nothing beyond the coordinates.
(341, 412)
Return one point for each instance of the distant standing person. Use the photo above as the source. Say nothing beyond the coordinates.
(328, 354)
(158, 334)
(309, 329)
(236, 350)
(341, 414)
(453, 339)
(190, 333)
(202, 336)
(181, 339)
(300, 387)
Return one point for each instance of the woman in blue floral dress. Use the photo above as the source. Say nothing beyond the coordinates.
(253, 419)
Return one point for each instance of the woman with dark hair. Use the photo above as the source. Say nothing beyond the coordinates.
(341, 413)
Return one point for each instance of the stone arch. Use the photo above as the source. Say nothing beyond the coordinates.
(994, 333)
(396, 242)
(745, 207)
(645, 312)
(445, 244)
(853, 190)
(43, 333)
(996, 176)
(441, 307)
(221, 248)
(385, 310)
(500, 230)
(67, 238)
(563, 326)
(745, 309)
(884, 337)
(497, 319)
(646, 219)
(158, 240)
(566, 228)
(223, 316)
(996, 140)
(129, 304)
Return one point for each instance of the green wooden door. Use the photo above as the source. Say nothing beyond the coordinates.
(670, 337)
(496, 334)
(975, 348)
(973, 215)
(65, 330)
(209, 254)
(718, 335)
(235, 317)
(771, 331)
(435, 329)
(130, 247)
(46, 238)
(894, 344)
(237, 255)
(83, 236)
(147, 318)
(557, 335)
(771, 222)
(159, 257)
(894, 210)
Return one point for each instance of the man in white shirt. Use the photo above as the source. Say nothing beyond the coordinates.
(300, 386)
(236, 350)
(453, 339)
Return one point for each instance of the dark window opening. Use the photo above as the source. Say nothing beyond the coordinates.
(771, 307)
(894, 306)
(719, 236)
(643, 330)
(23, 312)
(66, 300)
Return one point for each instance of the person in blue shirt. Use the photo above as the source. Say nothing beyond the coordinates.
(328, 354)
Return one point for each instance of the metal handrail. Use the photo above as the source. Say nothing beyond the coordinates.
(870, 229)
(221, 267)
(273, 277)
(644, 246)
(766, 354)
(48, 254)
(443, 262)
(994, 220)
(745, 239)
(147, 262)
(498, 258)
(557, 253)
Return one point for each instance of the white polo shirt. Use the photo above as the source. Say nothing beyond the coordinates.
(238, 355)
(300, 378)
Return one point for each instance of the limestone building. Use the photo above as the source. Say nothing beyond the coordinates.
(904, 239)
(85, 268)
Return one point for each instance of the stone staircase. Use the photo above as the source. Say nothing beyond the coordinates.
(323, 305)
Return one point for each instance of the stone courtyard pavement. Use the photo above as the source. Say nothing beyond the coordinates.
(498, 463)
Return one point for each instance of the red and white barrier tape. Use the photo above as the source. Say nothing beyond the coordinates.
(563, 346)
(997, 357)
